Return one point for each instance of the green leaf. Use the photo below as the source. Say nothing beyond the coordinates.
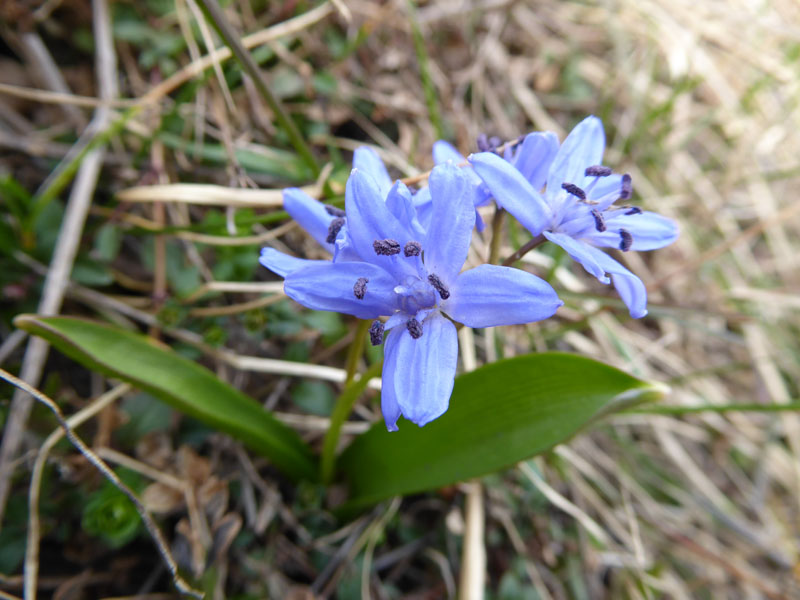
(181, 383)
(499, 415)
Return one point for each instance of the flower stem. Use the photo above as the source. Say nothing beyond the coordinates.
(356, 350)
(344, 405)
(535, 242)
(497, 229)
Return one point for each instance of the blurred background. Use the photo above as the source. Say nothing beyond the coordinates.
(105, 106)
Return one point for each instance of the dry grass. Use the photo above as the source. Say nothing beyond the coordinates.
(701, 102)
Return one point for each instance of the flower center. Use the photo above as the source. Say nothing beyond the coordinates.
(415, 295)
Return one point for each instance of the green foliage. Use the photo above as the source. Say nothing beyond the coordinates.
(183, 384)
(499, 414)
(109, 513)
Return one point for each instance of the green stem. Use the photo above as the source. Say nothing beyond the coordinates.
(537, 241)
(217, 18)
(497, 229)
(356, 350)
(715, 408)
(344, 405)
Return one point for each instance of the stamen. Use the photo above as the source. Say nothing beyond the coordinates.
(574, 190)
(386, 247)
(439, 286)
(598, 171)
(414, 328)
(334, 211)
(376, 333)
(626, 240)
(333, 229)
(599, 221)
(360, 287)
(633, 210)
(412, 249)
(627, 187)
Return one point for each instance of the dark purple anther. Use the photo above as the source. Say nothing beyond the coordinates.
(412, 249)
(599, 221)
(598, 171)
(626, 240)
(439, 286)
(574, 190)
(360, 287)
(414, 328)
(627, 187)
(333, 229)
(334, 211)
(633, 210)
(376, 333)
(386, 247)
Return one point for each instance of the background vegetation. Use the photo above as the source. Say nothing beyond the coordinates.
(700, 103)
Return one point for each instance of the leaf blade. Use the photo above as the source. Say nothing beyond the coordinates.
(183, 384)
(499, 415)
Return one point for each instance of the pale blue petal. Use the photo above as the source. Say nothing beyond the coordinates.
(367, 160)
(629, 286)
(423, 206)
(606, 190)
(309, 213)
(512, 191)
(330, 287)
(389, 405)
(426, 369)
(490, 295)
(534, 156)
(400, 203)
(283, 264)
(583, 148)
(580, 252)
(648, 229)
(444, 151)
(369, 219)
(452, 220)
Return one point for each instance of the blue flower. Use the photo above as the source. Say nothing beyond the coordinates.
(577, 209)
(413, 277)
(325, 223)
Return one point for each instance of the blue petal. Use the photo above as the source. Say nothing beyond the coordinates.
(583, 148)
(490, 295)
(648, 229)
(423, 206)
(283, 264)
(330, 287)
(580, 252)
(452, 220)
(369, 219)
(444, 151)
(309, 213)
(534, 156)
(512, 191)
(426, 369)
(367, 160)
(400, 203)
(629, 286)
(389, 405)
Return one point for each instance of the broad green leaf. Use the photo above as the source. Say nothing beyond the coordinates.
(181, 383)
(499, 415)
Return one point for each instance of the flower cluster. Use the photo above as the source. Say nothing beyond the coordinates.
(398, 256)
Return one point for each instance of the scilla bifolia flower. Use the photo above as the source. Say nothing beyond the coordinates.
(577, 209)
(414, 278)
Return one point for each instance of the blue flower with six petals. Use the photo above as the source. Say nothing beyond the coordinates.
(576, 210)
(413, 277)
